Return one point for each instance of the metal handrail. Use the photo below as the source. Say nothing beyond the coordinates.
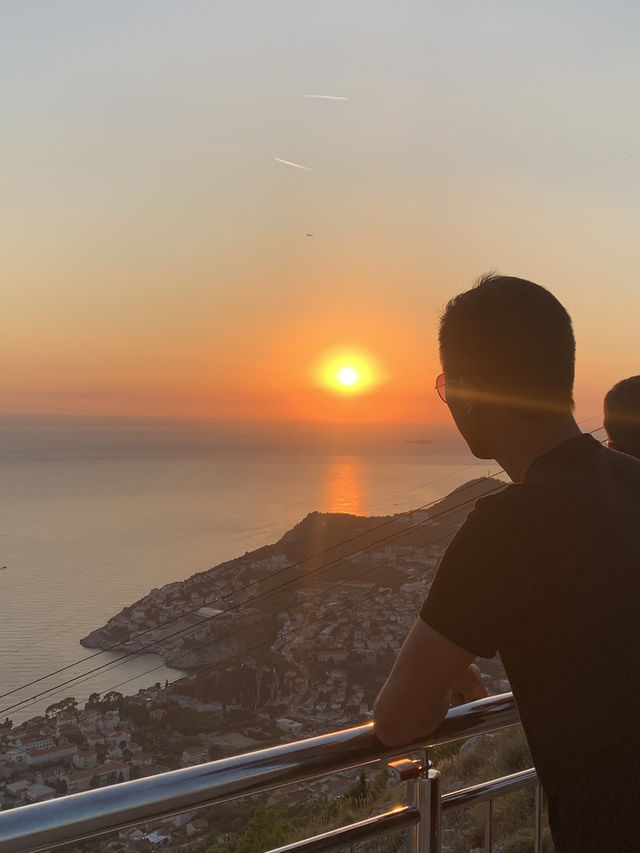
(42, 826)
(364, 830)
(486, 791)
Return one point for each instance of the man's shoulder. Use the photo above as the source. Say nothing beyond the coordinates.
(579, 498)
(509, 520)
(513, 499)
(488, 528)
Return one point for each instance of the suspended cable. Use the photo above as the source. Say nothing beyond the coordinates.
(82, 677)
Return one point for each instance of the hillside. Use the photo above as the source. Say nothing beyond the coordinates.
(310, 623)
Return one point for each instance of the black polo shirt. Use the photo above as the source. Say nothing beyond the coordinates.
(547, 572)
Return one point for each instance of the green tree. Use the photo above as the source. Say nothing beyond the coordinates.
(92, 702)
(58, 707)
(134, 711)
(378, 784)
(111, 700)
(520, 842)
(60, 787)
(267, 829)
(358, 793)
(76, 736)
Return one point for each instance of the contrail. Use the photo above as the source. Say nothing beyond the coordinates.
(295, 165)
(328, 97)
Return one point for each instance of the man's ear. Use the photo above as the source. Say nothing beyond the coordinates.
(470, 393)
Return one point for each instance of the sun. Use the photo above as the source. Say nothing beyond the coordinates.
(348, 376)
(348, 371)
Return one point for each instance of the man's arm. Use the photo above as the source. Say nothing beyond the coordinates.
(417, 694)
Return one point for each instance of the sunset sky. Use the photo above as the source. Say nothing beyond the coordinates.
(154, 245)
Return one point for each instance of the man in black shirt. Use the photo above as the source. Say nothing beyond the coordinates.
(546, 571)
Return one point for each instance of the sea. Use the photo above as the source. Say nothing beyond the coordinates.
(94, 513)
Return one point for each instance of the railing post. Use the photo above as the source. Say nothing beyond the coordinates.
(488, 826)
(537, 844)
(423, 793)
(434, 810)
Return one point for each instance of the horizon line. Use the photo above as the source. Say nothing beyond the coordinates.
(222, 419)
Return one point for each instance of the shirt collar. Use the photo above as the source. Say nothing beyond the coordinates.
(570, 452)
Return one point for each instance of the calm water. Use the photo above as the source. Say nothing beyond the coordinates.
(89, 525)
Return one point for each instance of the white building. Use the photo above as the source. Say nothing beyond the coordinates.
(38, 757)
(39, 793)
(85, 759)
(286, 725)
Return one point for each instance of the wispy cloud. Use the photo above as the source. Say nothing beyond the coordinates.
(327, 97)
(295, 165)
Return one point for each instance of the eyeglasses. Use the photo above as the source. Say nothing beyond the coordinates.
(441, 386)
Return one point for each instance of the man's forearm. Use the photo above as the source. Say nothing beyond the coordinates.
(417, 694)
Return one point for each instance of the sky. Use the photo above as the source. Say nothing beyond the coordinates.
(155, 249)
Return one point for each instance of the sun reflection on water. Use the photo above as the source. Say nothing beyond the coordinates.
(344, 486)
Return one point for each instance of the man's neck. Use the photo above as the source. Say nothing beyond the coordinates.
(526, 441)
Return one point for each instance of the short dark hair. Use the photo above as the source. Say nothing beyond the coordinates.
(513, 338)
(622, 415)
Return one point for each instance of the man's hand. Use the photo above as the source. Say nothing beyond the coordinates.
(468, 687)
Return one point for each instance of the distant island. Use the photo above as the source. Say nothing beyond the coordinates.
(418, 441)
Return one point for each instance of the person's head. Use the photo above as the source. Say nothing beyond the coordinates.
(622, 416)
(507, 348)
